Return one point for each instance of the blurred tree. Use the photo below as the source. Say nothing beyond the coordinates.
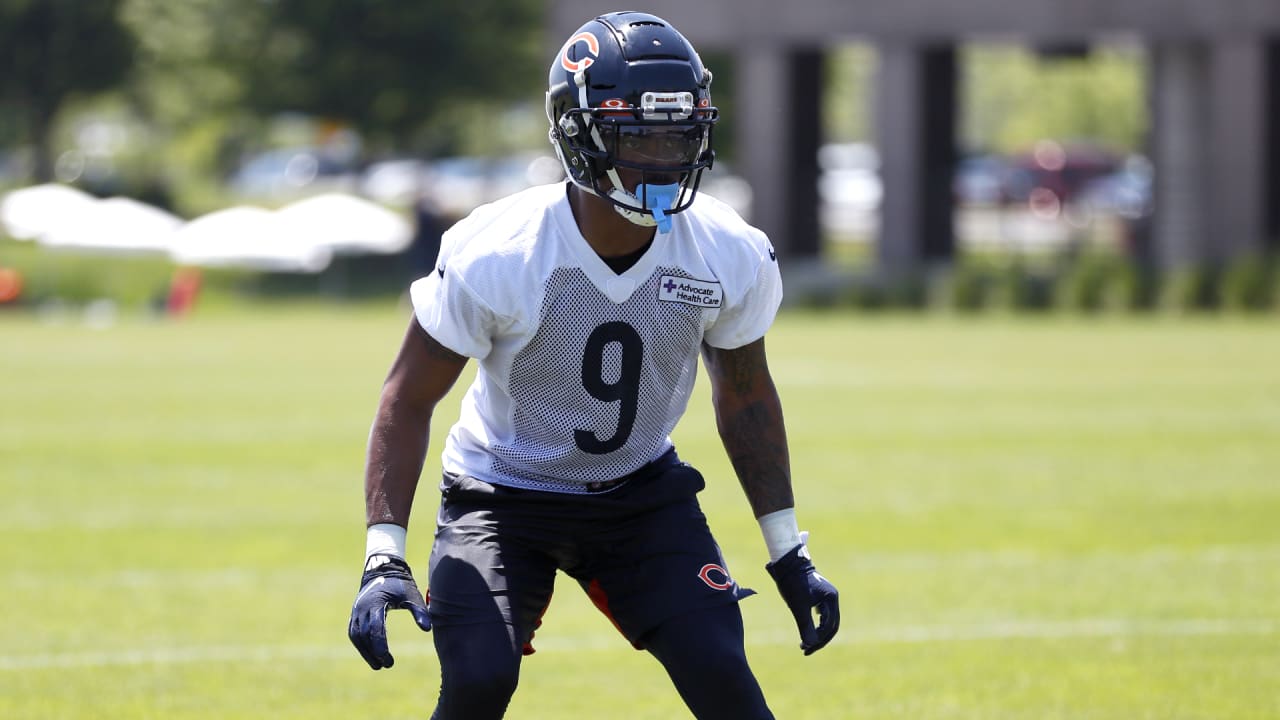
(190, 55)
(213, 77)
(389, 68)
(51, 50)
(850, 101)
(190, 89)
(1012, 98)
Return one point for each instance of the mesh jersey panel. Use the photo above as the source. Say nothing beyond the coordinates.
(566, 431)
(584, 372)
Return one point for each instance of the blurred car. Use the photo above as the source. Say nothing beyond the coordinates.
(722, 183)
(849, 186)
(454, 186)
(980, 180)
(850, 176)
(287, 172)
(397, 181)
(15, 166)
(1052, 169)
(1125, 193)
(458, 185)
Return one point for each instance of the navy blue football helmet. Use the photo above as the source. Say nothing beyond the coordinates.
(629, 103)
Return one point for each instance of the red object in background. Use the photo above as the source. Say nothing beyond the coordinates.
(183, 291)
(1064, 170)
(10, 285)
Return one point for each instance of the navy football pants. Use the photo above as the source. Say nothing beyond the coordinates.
(642, 551)
(702, 652)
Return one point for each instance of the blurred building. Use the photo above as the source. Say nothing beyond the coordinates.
(1214, 88)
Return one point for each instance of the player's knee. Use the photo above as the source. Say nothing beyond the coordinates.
(479, 690)
(720, 687)
(702, 637)
(479, 669)
(723, 667)
(732, 673)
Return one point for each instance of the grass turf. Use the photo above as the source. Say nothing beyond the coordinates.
(1027, 518)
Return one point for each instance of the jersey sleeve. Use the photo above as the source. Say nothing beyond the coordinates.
(452, 314)
(747, 315)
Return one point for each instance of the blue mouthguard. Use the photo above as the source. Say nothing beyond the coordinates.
(659, 199)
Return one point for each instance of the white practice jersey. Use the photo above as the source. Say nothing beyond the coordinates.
(584, 372)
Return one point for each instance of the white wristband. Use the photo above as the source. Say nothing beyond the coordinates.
(385, 539)
(781, 532)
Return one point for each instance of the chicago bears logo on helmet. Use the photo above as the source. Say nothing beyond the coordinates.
(593, 51)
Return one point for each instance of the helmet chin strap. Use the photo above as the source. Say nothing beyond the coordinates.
(658, 199)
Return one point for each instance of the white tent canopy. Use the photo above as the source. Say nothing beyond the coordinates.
(246, 237)
(346, 224)
(117, 224)
(300, 237)
(32, 212)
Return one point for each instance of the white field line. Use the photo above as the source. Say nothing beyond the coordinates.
(1147, 558)
(917, 634)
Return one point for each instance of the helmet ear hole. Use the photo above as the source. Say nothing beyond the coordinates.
(568, 126)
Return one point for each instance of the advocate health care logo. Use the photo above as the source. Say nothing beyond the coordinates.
(593, 51)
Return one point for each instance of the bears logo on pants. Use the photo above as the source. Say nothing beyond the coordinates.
(711, 574)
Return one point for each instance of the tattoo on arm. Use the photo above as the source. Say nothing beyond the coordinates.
(756, 443)
(749, 418)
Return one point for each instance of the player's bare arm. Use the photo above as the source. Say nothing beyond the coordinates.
(749, 418)
(423, 372)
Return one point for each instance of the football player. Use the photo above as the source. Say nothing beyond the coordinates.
(587, 304)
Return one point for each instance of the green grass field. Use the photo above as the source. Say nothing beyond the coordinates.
(1027, 518)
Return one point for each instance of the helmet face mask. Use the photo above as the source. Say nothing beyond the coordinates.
(631, 116)
(644, 146)
(642, 152)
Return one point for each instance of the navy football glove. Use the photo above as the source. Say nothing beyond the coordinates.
(804, 589)
(387, 583)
